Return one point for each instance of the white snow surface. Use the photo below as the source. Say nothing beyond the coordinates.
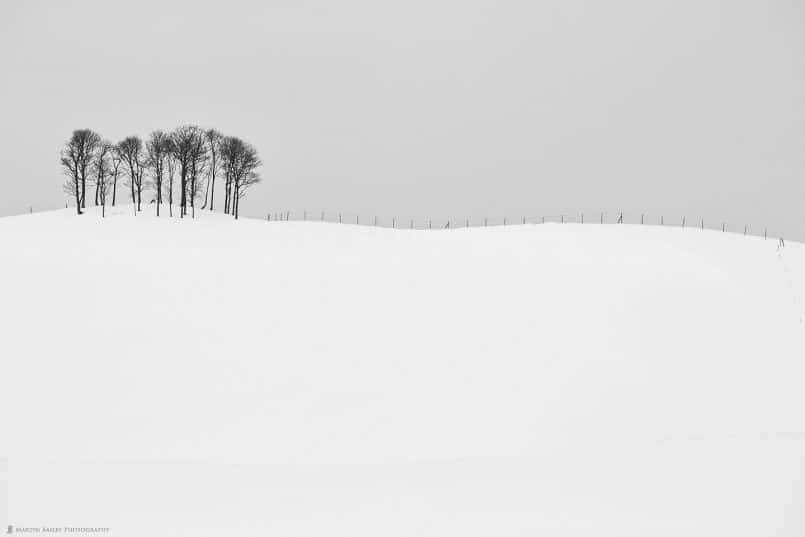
(218, 377)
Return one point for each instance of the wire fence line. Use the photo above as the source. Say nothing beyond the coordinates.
(600, 218)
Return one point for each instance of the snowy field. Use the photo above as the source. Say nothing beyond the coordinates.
(214, 377)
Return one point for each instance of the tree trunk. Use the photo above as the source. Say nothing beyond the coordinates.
(77, 196)
(226, 196)
(184, 192)
(206, 196)
(212, 191)
(235, 198)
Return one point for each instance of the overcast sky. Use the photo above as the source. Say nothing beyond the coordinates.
(440, 108)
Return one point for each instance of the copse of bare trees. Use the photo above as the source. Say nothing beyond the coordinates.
(194, 156)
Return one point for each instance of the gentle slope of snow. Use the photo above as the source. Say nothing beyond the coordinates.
(213, 377)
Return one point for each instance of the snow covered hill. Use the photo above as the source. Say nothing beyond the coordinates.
(214, 377)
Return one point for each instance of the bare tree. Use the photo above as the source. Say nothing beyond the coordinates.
(171, 165)
(187, 141)
(105, 170)
(198, 162)
(101, 167)
(104, 191)
(241, 186)
(131, 151)
(76, 157)
(91, 142)
(116, 160)
(70, 158)
(157, 147)
(213, 138)
(239, 161)
(231, 148)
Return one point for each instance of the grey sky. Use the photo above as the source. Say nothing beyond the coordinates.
(436, 108)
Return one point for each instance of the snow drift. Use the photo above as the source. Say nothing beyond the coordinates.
(214, 377)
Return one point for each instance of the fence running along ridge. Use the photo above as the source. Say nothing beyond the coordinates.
(572, 218)
(575, 218)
